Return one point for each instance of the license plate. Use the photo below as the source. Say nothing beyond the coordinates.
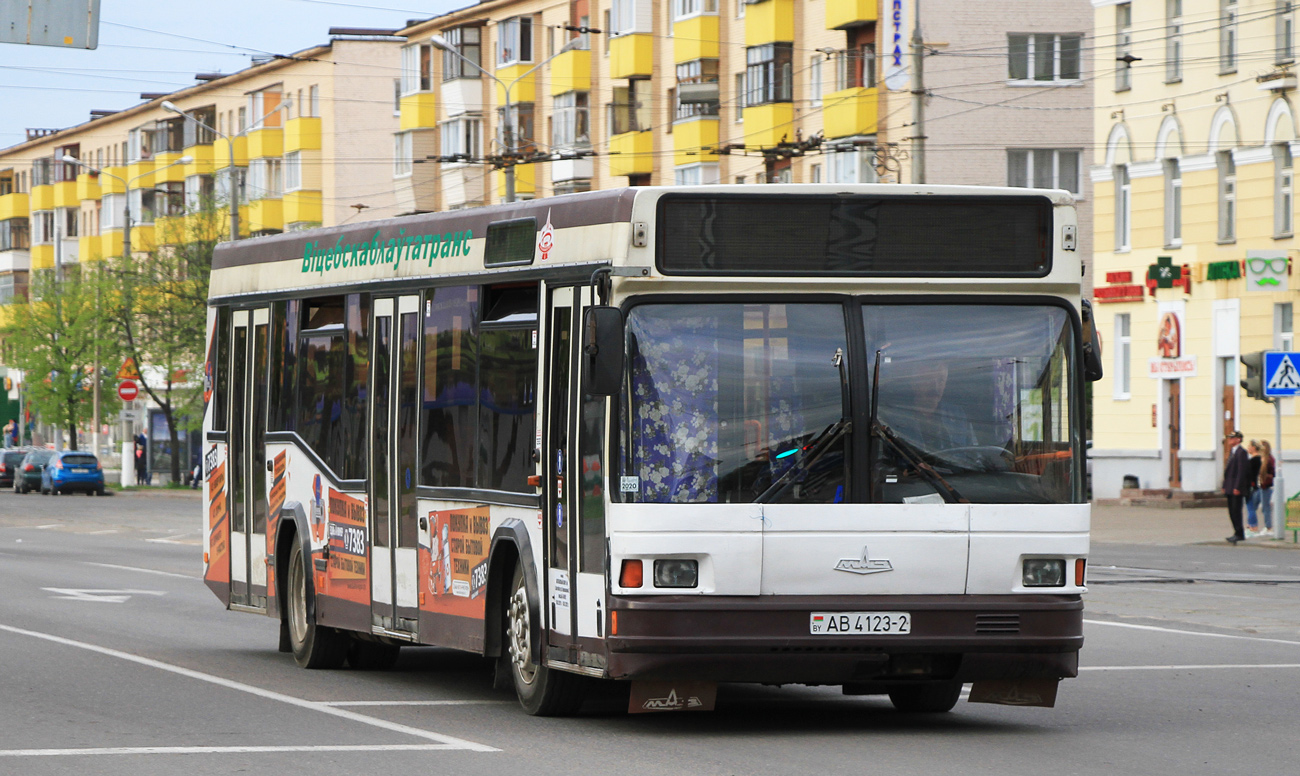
(859, 623)
(78, 469)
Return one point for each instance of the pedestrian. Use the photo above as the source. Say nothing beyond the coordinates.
(1267, 471)
(1252, 500)
(1236, 483)
(141, 460)
(9, 433)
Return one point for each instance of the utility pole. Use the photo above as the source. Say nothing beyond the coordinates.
(918, 100)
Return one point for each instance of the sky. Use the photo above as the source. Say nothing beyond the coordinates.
(158, 46)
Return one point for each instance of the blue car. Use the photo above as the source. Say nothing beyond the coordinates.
(70, 470)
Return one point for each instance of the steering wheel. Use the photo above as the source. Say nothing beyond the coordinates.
(983, 454)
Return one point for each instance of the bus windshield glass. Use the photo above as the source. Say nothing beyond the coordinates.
(737, 403)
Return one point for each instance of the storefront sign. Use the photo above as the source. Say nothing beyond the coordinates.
(1164, 274)
(1170, 340)
(897, 76)
(1172, 368)
(1223, 270)
(1132, 293)
(1267, 270)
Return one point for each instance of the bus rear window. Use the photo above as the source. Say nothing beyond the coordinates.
(865, 235)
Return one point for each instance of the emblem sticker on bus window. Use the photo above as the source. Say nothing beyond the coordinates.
(546, 241)
(629, 484)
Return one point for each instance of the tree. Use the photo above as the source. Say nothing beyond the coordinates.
(162, 314)
(56, 338)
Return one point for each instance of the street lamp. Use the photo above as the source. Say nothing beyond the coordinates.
(170, 107)
(126, 253)
(509, 122)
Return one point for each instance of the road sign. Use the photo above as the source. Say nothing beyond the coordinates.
(1281, 373)
(127, 390)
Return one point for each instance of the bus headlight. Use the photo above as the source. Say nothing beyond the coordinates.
(677, 573)
(1044, 572)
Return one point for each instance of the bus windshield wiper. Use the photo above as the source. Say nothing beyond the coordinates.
(814, 450)
(913, 456)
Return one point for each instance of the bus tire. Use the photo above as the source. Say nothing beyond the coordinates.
(542, 691)
(314, 646)
(928, 698)
(372, 655)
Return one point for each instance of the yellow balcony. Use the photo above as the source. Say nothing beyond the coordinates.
(695, 38)
(302, 134)
(525, 180)
(43, 197)
(766, 125)
(571, 72)
(631, 56)
(110, 242)
(88, 186)
(111, 181)
(841, 14)
(264, 214)
(166, 170)
(302, 207)
(65, 194)
(170, 230)
(14, 206)
(202, 164)
(221, 152)
(850, 112)
(631, 153)
(769, 22)
(88, 249)
(418, 110)
(690, 136)
(43, 256)
(521, 89)
(138, 174)
(265, 143)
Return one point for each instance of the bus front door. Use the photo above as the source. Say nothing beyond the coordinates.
(247, 456)
(394, 408)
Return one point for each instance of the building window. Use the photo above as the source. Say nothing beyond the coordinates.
(697, 89)
(852, 166)
(521, 120)
(313, 101)
(630, 110)
(1044, 168)
(112, 212)
(1123, 46)
(461, 139)
(815, 175)
(1283, 335)
(293, 171)
(1285, 32)
(815, 80)
(1173, 204)
(1173, 41)
(262, 107)
(855, 68)
(1123, 347)
(1228, 36)
(629, 16)
(143, 205)
(15, 234)
(265, 179)
(739, 101)
(515, 41)
(1227, 196)
(402, 156)
(570, 124)
(223, 184)
(468, 42)
(1283, 201)
(199, 194)
(397, 96)
(417, 68)
(1123, 207)
(767, 73)
(696, 175)
(1044, 57)
(683, 9)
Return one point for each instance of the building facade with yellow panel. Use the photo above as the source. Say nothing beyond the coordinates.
(298, 136)
(1194, 232)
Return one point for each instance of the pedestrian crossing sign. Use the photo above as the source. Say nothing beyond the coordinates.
(1281, 374)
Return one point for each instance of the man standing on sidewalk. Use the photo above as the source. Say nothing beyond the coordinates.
(1236, 484)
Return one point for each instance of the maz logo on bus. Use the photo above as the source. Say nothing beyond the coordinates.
(864, 565)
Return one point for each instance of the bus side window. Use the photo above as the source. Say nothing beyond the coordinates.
(221, 370)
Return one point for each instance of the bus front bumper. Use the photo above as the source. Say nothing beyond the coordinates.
(767, 639)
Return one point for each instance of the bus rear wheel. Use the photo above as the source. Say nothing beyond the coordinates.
(542, 691)
(314, 646)
(929, 698)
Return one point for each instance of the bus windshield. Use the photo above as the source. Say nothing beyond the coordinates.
(744, 402)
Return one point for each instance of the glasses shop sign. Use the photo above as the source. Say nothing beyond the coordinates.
(1266, 270)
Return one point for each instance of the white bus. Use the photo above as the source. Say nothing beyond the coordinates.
(828, 435)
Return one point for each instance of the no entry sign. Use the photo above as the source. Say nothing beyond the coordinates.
(127, 390)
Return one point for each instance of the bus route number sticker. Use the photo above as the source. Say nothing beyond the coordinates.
(629, 484)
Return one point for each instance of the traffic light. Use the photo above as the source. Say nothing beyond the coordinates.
(1254, 381)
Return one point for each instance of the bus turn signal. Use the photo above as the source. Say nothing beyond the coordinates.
(630, 576)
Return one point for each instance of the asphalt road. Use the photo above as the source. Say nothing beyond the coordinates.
(117, 660)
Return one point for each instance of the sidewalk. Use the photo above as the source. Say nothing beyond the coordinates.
(1151, 525)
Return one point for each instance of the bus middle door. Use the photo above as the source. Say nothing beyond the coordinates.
(247, 456)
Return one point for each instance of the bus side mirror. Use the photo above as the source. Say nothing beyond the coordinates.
(1092, 370)
(602, 344)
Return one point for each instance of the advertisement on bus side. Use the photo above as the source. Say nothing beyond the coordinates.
(453, 561)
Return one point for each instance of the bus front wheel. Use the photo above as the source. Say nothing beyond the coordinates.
(542, 691)
(930, 698)
(314, 646)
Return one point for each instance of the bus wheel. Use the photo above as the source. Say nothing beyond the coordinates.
(372, 655)
(929, 698)
(542, 691)
(314, 646)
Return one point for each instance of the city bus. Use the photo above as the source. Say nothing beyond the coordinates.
(666, 436)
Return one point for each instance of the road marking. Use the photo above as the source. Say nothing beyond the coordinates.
(413, 703)
(222, 750)
(98, 596)
(142, 571)
(450, 741)
(1190, 633)
(169, 539)
(105, 531)
(47, 525)
(1158, 588)
(1187, 668)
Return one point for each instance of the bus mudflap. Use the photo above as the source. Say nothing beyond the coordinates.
(647, 697)
(1015, 692)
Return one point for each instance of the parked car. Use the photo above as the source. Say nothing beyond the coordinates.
(10, 462)
(28, 476)
(70, 470)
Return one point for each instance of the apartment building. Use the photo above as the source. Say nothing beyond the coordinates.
(1195, 231)
(306, 139)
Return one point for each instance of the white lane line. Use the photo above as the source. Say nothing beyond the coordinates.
(1191, 633)
(47, 525)
(105, 531)
(99, 751)
(170, 539)
(413, 703)
(1187, 668)
(451, 741)
(142, 571)
(1165, 589)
